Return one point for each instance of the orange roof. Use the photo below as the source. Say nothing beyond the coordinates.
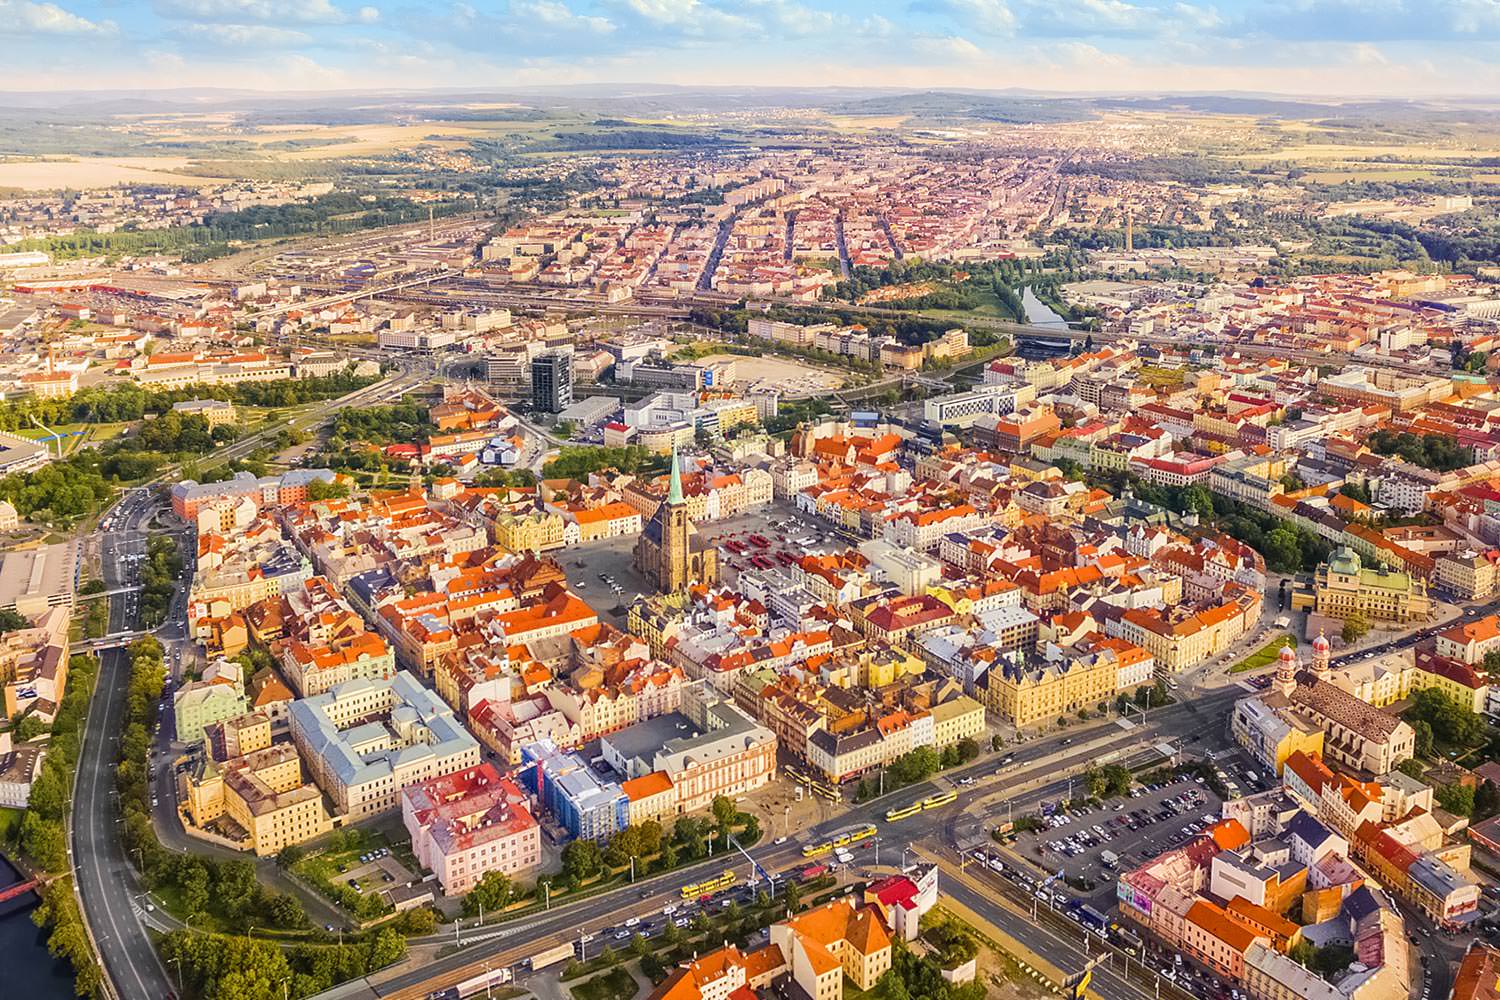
(647, 785)
(1221, 924)
(1229, 834)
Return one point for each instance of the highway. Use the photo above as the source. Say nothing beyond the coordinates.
(103, 872)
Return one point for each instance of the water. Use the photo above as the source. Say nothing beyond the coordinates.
(1038, 313)
(29, 971)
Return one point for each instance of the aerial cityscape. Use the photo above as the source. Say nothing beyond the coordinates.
(937, 501)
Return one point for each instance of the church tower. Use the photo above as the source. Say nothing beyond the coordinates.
(675, 555)
(1321, 667)
(1286, 671)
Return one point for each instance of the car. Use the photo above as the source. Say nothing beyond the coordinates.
(622, 935)
(779, 841)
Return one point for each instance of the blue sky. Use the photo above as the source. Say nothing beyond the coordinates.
(1318, 47)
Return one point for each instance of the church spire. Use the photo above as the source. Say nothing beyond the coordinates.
(674, 492)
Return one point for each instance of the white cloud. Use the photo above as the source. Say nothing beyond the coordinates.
(245, 36)
(947, 47)
(556, 15)
(689, 18)
(265, 11)
(987, 17)
(23, 17)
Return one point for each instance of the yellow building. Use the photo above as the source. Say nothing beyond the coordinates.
(533, 532)
(1027, 696)
(1179, 637)
(1343, 587)
(828, 942)
(258, 801)
(960, 718)
(1466, 684)
(651, 797)
(1470, 575)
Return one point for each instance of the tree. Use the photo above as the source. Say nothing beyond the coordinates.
(11, 620)
(792, 897)
(418, 922)
(283, 910)
(581, 860)
(1423, 744)
(724, 813)
(1450, 720)
(1456, 798)
(321, 490)
(194, 885)
(1486, 800)
(1355, 627)
(1411, 766)
(493, 892)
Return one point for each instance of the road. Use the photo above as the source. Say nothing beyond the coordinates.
(103, 871)
(1035, 771)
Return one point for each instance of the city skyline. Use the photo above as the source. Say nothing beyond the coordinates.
(1342, 47)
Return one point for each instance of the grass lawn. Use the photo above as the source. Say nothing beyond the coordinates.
(10, 824)
(616, 984)
(1265, 655)
(322, 868)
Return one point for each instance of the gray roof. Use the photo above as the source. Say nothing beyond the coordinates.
(410, 709)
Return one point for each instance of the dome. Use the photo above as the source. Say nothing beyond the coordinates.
(1321, 643)
(1287, 656)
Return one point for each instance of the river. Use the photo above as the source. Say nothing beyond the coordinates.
(1038, 313)
(30, 971)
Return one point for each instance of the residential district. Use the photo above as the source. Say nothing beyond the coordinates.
(1155, 659)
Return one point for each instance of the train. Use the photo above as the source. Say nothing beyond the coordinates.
(940, 799)
(469, 987)
(892, 815)
(709, 886)
(842, 840)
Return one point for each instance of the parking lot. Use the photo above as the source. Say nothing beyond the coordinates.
(1134, 828)
(787, 534)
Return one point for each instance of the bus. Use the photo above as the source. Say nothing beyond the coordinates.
(892, 815)
(940, 799)
(709, 886)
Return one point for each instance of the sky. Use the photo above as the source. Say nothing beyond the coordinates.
(1306, 47)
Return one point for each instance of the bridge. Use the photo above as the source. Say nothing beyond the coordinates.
(114, 640)
(19, 889)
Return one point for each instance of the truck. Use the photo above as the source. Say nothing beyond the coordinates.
(1109, 858)
(472, 985)
(551, 956)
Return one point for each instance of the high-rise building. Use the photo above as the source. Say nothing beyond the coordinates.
(552, 381)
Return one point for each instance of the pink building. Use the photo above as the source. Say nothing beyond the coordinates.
(469, 822)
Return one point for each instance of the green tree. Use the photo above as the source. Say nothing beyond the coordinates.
(1486, 800)
(1411, 766)
(1450, 720)
(581, 860)
(493, 892)
(1456, 798)
(724, 813)
(1423, 743)
(1356, 626)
